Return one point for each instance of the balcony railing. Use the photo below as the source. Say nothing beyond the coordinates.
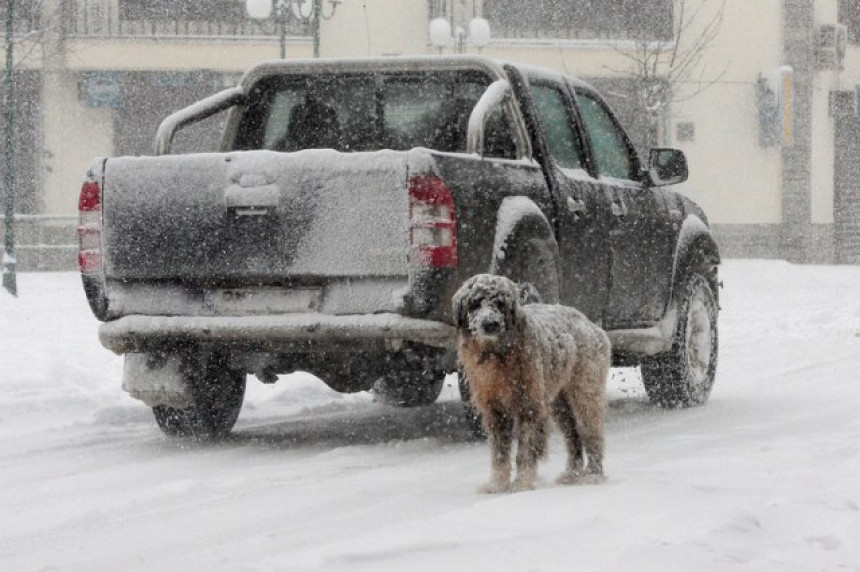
(45, 242)
(157, 18)
(581, 19)
(27, 16)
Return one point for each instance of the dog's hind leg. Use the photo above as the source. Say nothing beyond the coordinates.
(531, 446)
(500, 428)
(566, 423)
(589, 412)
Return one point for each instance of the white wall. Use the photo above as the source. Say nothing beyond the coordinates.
(376, 28)
(731, 175)
(73, 136)
(733, 178)
(129, 54)
(850, 76)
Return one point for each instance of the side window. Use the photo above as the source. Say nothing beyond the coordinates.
(280, 107)
(611, 152)
(557, 126)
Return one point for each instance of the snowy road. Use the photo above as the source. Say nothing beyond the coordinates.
(764, 477)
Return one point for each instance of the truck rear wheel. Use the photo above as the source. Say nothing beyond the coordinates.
(411, 388)
(684, 376)
(217, 392)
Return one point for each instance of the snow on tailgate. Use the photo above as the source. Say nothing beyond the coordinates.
(256, 214)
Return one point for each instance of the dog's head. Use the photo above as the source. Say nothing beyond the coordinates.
(487, 306)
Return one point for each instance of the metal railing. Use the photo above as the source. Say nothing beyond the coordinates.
(45, 242)
(650, 20)
(108, 18)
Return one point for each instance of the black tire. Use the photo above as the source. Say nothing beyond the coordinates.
(410, 388)
(470, 413)
(217, 393)
(684, 376)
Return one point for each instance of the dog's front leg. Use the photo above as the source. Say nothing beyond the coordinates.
(500, 428)
(531, 446)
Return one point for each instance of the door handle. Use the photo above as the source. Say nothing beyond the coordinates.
(577, 208)
(619, 209)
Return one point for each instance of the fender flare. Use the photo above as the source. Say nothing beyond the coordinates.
(519, 215)
(695, 249)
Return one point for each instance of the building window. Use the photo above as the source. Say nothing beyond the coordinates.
(581, 19)
(849, 14)
(27, 15)
(437, 8)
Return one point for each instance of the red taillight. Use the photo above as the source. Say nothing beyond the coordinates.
(89, 261)
(91, 197)
(90, 228)
(432, 222)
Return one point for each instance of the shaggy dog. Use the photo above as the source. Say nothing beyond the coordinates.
(527, 362)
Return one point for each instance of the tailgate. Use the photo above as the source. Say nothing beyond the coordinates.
(256, 217)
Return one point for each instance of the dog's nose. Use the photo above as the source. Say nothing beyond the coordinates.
(491, 327)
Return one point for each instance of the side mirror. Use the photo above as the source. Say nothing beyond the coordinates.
(667, 167)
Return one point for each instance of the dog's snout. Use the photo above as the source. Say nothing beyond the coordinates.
(491, 327)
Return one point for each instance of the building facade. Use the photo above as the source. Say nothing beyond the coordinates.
(766, 108)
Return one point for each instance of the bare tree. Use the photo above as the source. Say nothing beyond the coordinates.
(34, 21)
(671, 70)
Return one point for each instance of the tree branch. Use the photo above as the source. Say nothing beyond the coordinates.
(661, 68)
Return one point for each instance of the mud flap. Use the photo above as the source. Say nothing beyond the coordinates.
(156, 379)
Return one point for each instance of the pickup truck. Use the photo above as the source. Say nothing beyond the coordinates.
(348, 201)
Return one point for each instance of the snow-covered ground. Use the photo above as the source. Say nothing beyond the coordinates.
(766, 476)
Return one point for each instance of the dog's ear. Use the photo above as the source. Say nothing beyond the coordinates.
(529, 293)
(460, 303)
(513, 300)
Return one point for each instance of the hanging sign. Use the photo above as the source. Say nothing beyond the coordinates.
(103, 89)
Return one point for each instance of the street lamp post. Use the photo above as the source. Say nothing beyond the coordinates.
(9, 280)
(285, 10)
(281, 19)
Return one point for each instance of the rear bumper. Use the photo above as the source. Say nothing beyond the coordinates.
(278, 333)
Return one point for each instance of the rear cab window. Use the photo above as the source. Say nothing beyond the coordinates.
(363, 112)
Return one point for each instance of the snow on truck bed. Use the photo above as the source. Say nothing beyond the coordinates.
(764, 477)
